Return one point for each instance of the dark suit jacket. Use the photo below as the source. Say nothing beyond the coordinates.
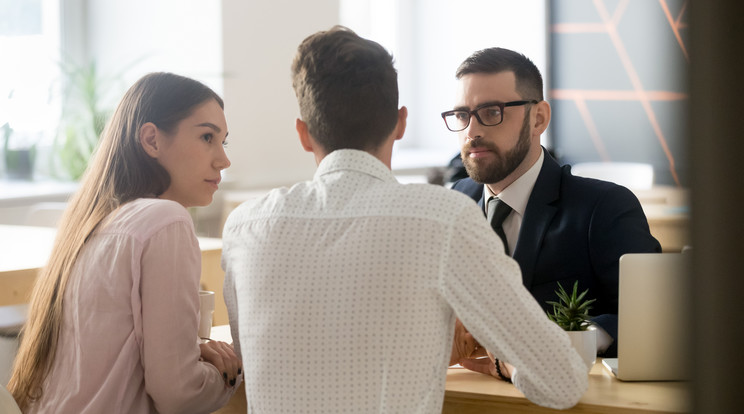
(576, 228)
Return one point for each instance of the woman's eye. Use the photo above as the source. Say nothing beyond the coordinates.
(207, 137)
(224, 143)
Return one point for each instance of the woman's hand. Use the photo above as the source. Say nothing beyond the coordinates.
(222, 356)
(463, 344)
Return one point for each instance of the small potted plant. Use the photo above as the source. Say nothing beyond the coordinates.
(19, 160)
(571, 313)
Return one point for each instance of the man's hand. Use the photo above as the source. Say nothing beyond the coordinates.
(468, 352)
(488, 366)
(464, 345)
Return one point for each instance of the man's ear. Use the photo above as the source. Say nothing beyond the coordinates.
(542, 117)
(304, 135)
(400, 128)
(148, 137)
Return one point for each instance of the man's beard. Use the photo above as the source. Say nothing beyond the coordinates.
(503, 165)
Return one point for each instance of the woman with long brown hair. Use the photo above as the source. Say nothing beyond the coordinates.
(113, 318)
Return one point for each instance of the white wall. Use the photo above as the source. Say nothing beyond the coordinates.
(260, 39)
(135, 37)
(241, 48)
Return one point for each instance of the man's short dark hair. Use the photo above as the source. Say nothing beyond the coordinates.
(347, 89)
(496, 59)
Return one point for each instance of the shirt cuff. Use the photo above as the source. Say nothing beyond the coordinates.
(604, 340)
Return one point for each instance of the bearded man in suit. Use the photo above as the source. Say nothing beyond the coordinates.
(560, 228)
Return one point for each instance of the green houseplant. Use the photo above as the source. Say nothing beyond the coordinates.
(571, 313)
(83, 117)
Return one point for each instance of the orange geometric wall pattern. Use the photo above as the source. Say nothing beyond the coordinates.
(618, 83)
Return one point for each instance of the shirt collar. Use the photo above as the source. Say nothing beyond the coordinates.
(354, 160)
(518, 193)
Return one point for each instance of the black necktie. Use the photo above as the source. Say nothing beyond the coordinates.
(497, 212)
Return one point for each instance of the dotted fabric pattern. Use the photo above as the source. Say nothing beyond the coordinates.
(343, 292)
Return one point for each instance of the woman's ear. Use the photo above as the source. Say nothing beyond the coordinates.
(148, 137)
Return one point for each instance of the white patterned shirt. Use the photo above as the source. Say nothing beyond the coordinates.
(343, 292)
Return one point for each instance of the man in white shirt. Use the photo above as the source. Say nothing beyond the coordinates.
(343, 291)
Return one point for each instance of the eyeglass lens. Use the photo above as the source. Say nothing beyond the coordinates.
(459, 120)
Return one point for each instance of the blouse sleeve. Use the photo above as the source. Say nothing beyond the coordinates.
(175, 378)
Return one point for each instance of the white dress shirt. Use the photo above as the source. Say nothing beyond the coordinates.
(128, 342)
(343, 291)
(516, 196)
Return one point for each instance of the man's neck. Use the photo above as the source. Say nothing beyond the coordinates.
(384, 154)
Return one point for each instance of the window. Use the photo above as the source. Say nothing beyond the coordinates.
(29, 76)
(59, 49)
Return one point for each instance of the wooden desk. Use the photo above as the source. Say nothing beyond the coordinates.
(237, 404)
(667, 210)
(24, 250)
(468, 392)
(670, 225)
(213, 277)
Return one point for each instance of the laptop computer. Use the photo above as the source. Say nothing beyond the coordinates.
(653, 318)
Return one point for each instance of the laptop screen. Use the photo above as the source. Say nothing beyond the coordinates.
(653, 317)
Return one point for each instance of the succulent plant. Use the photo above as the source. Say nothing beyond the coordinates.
(571, 312)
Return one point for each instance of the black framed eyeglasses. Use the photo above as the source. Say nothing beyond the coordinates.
(488, 114)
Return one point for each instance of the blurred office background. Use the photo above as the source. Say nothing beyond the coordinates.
(632, 82)
(614, 72)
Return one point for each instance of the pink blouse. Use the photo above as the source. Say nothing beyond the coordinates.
(128, 342)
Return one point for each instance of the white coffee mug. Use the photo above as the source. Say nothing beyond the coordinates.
(206, 310)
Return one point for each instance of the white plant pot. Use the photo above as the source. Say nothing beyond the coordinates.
(585, 343)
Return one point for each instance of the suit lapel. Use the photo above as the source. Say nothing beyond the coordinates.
(540, 210)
